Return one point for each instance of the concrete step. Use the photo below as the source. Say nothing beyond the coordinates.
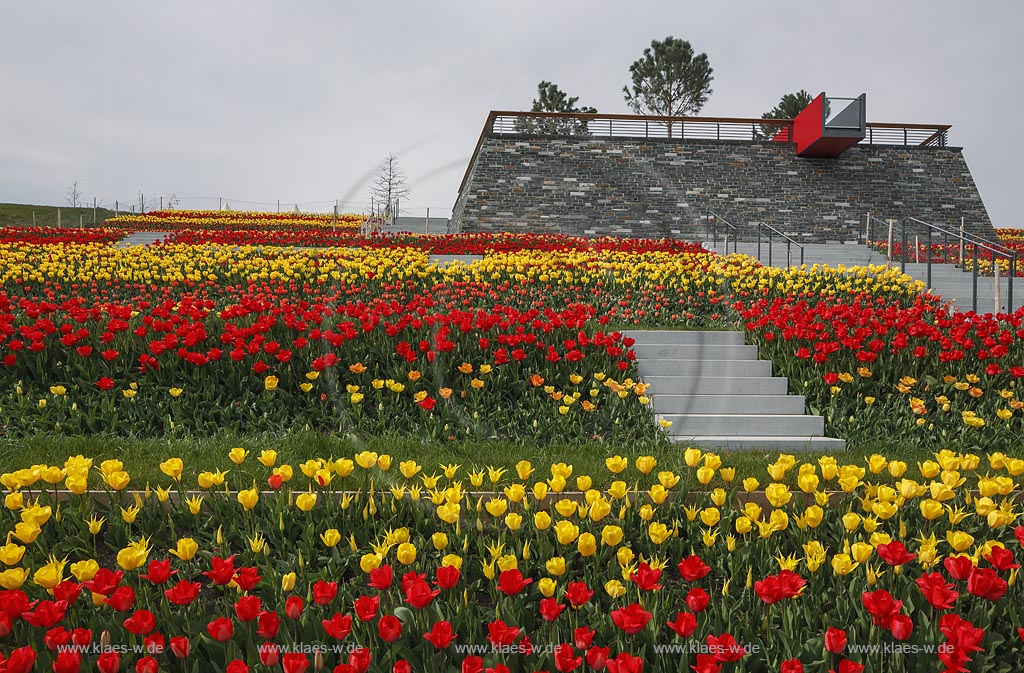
(693, 425)
(716, 385)
(762, 443)
(666, 367)
(727, 404)
(695, 351)
(680, 337)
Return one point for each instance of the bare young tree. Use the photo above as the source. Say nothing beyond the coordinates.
(172, 200)
(389, 185)
(74, 198)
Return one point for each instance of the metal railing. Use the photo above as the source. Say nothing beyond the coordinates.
(772, 233)
(967, 240)
(711, 222)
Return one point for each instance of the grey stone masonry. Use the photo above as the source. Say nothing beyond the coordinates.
(589, 186)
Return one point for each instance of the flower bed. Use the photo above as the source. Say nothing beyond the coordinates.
(374, 563)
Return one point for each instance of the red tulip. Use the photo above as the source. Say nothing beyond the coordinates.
(550, 608)
(847, 666)
(146, 665)
(625, 663)
(901, 627)
(248, 608)
(583, 637)
(109, 662)
(183, 593)
(692, 568)
(237, 666)
(21, 660)
(566, 659)
(441, 635)
(223, 570)
(105, 383)
(401, 666)
(247, 578)
(141, 622)
(985, 583)
(293, 607)
(684, 624)
(958, 567)
(159, 572)
(67, 661)
(894, 553)
(294, 662)
(268, 625)
(221, 629)
(631, 619)
(389, 628)
(366, 607)
(46, 614)
(418, 593)
(447, 577)
(774, 588)
(338, 626)
(67, 591)
(180, 647)
(270, 654)
(881, 606)
(501, 634)
(104, 581)
(359, 659)
(472, 664)
(597, 657)
(646, 578)
(725, 648)
(56, 638)
(578, 594)
(791, 666)
(122, 600)
(939, 593)
(511, 582)
(835, 640)
(381, 578)
(1001, 558)
(324, 592)
(697, 599)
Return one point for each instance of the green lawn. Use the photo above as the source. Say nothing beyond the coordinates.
(20, 215)
(142, 457)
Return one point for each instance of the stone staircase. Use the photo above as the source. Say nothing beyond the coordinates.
(717, 394)
(952, 283)
(142, 238)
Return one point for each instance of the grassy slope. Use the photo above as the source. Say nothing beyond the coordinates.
(19, 215)
(142, 457)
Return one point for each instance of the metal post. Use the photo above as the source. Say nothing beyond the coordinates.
(770, 239)
(759, 242)
(94, 211)
(995, 270)
(220, 203)
(867, 229)
(789, 253)
(279, 205)
(917, 248)
(58, 219)
(974, 280)
(1009, 283)
(928, 238)
(426, 226)
(117, 208)
(903, 256)
(961, 242)
(335, 217)
(888, 248)
(161, 203)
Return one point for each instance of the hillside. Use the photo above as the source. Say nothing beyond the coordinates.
(20, 215)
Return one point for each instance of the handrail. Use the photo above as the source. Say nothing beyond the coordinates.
(709, 230)
(976, 242)
(789, 244)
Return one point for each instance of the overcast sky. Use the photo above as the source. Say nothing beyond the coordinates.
(299, 101)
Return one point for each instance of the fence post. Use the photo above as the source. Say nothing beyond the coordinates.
(426, 227)
(888, 248)
(867, 229)
(94, 211)
(928, 244)
(961, 241)
(59, 226)
(117, 208)
(974, 280)
(903, 253)
(995, 271)
(1009, 283)
(220, 203)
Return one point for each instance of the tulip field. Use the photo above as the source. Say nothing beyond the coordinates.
(293, 553)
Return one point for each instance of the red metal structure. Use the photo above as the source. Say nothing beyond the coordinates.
(829, 126)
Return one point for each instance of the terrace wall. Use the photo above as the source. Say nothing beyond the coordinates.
(589, 186)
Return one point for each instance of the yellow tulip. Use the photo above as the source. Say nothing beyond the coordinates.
(248, 498)
(513, 521)
(85, 570)
(134, 555)
(555, 566)
(646, 463)
(406, 553)
(172, 467)
(614, 588)
(586, 544)
(11, 554)
(185, 548)
(616, 464)
(330, 537)
(13, 578)
(237, 455)
(547, 587)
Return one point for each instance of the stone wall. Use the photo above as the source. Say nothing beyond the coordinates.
(662, 187)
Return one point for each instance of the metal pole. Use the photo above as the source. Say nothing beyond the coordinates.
(961, 242)
(220, 203)
(770, 239)
(917, 248)
(161, 203)
(117, 208)
(888, 248)
(928, 238)
(867, 229)
(903, 256)
(94, 211)
(279, 205)
(759, 243)
(974, 280)
(426, 226)
(995, 270)
(1009, 283)
(789, 253)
